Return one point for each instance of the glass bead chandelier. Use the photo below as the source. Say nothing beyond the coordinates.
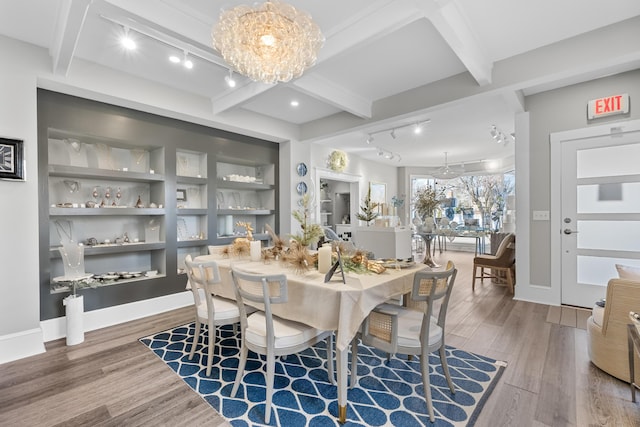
(272, 42)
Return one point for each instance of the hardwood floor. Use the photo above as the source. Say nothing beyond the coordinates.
(112, 380)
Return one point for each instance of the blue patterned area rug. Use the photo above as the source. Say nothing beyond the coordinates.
(387, 394)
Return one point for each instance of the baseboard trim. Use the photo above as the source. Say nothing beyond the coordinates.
(21, 344)
(54, 329)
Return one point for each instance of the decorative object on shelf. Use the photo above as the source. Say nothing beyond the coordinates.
(183, 231)
(181, 195)
(236, 200)
(72, 260)
(12, 159)
(368, 208)
(338, 160)
(301, 188)
(220, 199)
(105, 157)
(311, 233)
(118, 196)
(72, 185)
(152, 231)
(139, 203)
(64, 229)
(301, 169)
(268, 43)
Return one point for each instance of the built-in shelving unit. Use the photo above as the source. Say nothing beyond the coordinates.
(140, 192)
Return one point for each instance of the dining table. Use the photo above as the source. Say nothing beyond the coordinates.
(333, 306)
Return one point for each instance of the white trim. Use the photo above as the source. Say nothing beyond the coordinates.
(21, 344)
(555, 141)
(524, 290)
(53, 329)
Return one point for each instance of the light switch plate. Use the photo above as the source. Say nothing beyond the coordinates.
(541, 215)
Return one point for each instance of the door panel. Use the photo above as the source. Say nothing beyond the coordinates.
(600, 213)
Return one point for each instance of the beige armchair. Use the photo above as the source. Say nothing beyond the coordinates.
(607, 329)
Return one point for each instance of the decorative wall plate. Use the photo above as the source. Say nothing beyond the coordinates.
(301, 188)
(338, 160)
(301, 169)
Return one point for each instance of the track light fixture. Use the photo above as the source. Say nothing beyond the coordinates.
(500, 137)
(230, 80)
(127, 42)
(389, 155)
(417, 129)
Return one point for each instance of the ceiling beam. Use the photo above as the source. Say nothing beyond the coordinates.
(454, 28)
(372, 23)
(71, 16)
(324, 90)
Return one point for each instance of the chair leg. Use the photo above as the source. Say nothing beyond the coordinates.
(212, 343)
(271, 367)
(445, 368)
(330, 370)
(473, 280)
(196, 337)
(243, 361)
(426, 383)
(354, 361)
(509, 279)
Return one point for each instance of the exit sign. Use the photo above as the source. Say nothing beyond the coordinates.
(608, 106)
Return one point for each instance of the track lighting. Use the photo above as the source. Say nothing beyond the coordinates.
(417, 129)
(126, 41)
(389, 155)
(230, 80)
(500, 137)
(188, 64)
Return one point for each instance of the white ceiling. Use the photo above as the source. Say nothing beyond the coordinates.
(385, 64)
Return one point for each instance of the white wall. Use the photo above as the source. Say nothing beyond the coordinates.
(20, 333)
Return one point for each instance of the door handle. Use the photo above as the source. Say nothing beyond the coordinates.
(569, 231)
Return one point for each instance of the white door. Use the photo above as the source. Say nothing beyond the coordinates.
(600, 213)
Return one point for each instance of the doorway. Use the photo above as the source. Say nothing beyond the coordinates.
(337, 200)
(597, 211)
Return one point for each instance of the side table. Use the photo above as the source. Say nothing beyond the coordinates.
(634, 344)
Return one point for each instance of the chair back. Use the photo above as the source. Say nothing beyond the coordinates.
(261, 290)
(202, 275)
(506, 253)
(429, 287)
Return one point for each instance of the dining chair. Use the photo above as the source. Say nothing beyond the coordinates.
(211, 310)
(266, 334)
(501, 263)
(413, 329)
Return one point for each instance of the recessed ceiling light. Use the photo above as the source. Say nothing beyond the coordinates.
(174, 59)
(188, 64)
(294, 103)
(231, 82)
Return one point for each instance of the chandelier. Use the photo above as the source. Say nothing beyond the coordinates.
(268, 43)
(446, 171)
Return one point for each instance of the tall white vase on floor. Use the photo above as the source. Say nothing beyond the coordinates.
(74, 308)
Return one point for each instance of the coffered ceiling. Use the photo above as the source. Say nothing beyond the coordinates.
(464, 65)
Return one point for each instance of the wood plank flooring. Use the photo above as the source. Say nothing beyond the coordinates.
(112, 380)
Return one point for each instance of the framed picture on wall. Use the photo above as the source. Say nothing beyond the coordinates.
(11, 159)
(181, 195)
(378, 192)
